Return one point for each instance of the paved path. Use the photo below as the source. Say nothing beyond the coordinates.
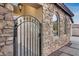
(75, 40)
(72, 49)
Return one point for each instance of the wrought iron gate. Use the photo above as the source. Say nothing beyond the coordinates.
(27, 36)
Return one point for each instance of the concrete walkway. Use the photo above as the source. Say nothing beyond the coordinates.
(74, 40)
(72, 49)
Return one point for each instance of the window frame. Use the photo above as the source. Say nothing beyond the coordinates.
(58, 24)
(65, 25)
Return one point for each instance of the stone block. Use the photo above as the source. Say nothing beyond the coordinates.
(9, 42)
(1, 54)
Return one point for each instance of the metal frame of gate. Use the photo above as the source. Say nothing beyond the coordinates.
(35, 38)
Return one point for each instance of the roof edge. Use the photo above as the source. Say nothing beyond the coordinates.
(65, 8)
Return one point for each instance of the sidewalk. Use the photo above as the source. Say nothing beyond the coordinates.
(71, 49)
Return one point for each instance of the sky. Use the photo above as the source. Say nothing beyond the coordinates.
(74, 7)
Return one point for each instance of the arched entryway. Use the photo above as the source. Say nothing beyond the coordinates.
(27, 36)
(27, 30)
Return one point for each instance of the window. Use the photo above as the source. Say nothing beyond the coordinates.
(65, 26)
(55, 24)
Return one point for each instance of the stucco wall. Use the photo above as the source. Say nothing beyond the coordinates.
(29, 10)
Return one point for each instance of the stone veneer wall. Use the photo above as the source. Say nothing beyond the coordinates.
(6, 35)
(49, 43)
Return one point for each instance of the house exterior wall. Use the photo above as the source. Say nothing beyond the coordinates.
(29, 10)
(49, 43)
(6, 38)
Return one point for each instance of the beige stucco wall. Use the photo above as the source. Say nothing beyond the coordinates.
(36, 12)
(29, 10)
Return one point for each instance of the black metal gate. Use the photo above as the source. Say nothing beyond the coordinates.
(27, 36)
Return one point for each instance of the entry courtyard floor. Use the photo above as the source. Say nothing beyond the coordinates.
(71, 49)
